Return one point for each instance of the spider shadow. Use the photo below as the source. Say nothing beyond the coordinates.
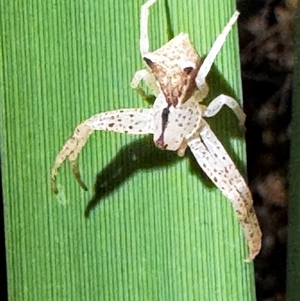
(142, 153)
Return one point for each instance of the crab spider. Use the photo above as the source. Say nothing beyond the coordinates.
(176, 75)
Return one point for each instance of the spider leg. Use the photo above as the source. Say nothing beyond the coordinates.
(144, 40)
(182, 148)
(131, 121)
(149, 80)
(216, 104)
(216, 163)
(215, 49)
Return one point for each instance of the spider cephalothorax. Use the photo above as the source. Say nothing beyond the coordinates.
(175, 70)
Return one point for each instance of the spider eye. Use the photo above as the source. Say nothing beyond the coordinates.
(148, 62)
(188, 70)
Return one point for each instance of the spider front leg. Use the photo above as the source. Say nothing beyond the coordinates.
(70, 151)
(215, 49)
(215, 106)
(144, 75)
(144, 39)
(131, 121)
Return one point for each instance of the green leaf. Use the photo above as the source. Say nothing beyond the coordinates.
(155, 227)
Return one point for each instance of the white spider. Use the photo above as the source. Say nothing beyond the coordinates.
(176, 75)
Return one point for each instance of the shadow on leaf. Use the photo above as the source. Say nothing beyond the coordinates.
(138, 155)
